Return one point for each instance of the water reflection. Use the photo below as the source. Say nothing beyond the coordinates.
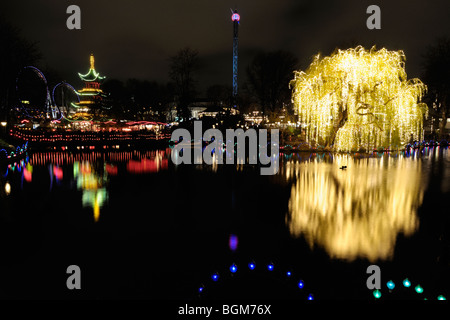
(89, 172)
(158, 161)
(93, 185)
(355, 212)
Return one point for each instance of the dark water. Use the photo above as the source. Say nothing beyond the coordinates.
(140, 227)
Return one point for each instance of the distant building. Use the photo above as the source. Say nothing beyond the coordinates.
(212, 111)
(199, 109)
(255, 117)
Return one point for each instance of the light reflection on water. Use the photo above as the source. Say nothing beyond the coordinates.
(93, 185)
(356, 212)
(353, 213)
(89, 172)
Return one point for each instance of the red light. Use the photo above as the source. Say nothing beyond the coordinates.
(146, 165)
(27, 175)
(112, 170)
(58, 173)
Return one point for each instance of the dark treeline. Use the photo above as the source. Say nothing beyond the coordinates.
(436, 75)
(15, 53)
(139, 99)
(269, 74)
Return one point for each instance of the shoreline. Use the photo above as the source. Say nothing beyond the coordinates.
(79, 142)
(290, 149)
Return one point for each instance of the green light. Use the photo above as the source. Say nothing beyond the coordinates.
(418, 289)
(377, 294)
(406, 283)
(390, 284)
(441, 297)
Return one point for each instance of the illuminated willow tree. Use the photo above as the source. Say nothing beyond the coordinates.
(359, 99)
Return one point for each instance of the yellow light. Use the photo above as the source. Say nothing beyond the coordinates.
(3, 123)
(91, 61)
(357, 98)
(90, 90)
(96, 210)
(7, 188)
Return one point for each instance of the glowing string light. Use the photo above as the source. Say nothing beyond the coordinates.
(406, 283)
(377, 294)
(390, 284)
(91, 75)
(270, 267)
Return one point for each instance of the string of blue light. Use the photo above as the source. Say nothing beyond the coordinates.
(251, 266)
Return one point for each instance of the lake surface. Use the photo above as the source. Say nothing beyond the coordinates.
(140, 227)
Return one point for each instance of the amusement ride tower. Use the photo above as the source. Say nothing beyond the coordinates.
(235, 17)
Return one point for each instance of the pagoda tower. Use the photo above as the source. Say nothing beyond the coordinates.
(91, 96)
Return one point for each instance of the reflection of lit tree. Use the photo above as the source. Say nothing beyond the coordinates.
(357, 98)
(358, 212)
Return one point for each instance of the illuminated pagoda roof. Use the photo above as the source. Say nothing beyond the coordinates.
(90, 96)
(91, 75)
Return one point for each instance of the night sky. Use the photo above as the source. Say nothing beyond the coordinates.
(133, 39)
